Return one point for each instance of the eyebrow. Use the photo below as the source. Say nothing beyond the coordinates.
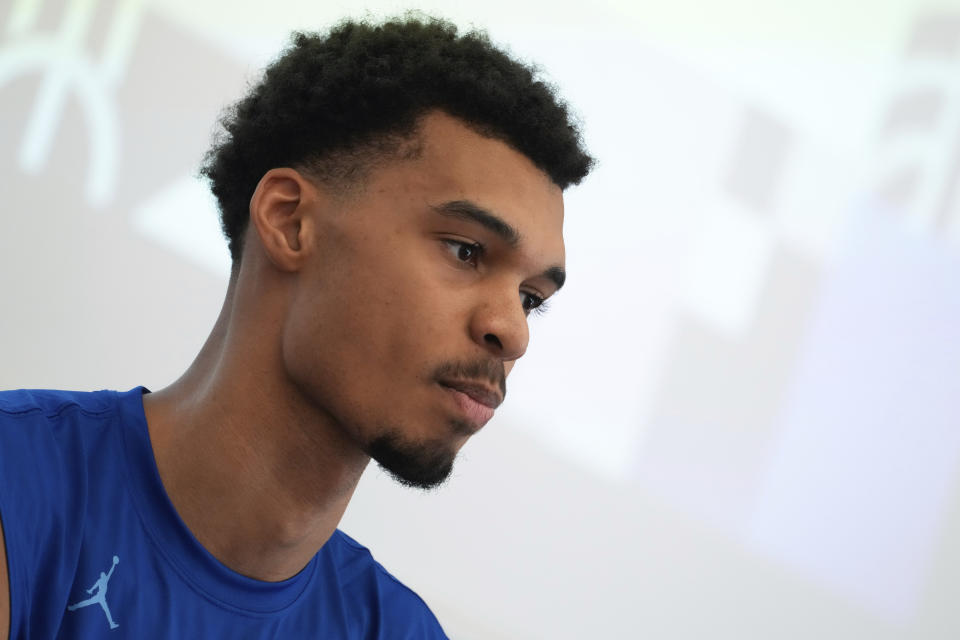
(471, 212)
(466, 210)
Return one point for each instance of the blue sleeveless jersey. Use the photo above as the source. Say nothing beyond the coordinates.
(95, 549)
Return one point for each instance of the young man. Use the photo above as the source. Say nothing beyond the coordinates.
(392, 198)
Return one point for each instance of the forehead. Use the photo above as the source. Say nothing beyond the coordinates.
(456, 163)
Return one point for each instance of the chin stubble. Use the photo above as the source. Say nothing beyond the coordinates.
(423, 465)
(427, 465)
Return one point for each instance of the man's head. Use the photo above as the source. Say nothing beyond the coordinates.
(406, 182)
(334, 103)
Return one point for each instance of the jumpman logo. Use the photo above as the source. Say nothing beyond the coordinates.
(101, 597)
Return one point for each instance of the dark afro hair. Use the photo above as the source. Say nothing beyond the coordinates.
(332, 103)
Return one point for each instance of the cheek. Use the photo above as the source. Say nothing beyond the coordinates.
(361, 343)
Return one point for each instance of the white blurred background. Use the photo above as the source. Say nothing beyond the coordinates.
(741, 419)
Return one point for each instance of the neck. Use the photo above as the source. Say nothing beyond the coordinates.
(235, 442)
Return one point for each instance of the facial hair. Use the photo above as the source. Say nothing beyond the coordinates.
(427, 465)
(422, 465)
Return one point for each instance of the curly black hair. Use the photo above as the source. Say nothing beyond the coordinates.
(332, 103)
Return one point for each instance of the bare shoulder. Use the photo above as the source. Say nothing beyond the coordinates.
(4, 590)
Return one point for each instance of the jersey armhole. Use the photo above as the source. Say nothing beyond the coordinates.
(6, 597)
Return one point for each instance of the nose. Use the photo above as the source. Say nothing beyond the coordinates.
(499, 324)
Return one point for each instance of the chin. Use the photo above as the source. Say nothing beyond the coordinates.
(423, 465)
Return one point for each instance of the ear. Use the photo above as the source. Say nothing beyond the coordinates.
(278, 214)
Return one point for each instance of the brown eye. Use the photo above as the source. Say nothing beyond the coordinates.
(466, 252)
(531, 302)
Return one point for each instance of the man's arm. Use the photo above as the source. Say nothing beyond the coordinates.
(4, 590)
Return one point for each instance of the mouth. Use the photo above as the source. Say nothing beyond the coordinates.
(476, 401)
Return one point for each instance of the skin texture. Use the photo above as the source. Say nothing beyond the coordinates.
(345, 308)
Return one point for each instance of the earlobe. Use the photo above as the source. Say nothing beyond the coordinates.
(277, 210)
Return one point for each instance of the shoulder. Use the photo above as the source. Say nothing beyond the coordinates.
(45, 432)
(45, 436)
(61, 424)
(40, 427)
(366, 583)
(23, 406)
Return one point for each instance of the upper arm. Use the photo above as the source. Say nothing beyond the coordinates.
(4, 590)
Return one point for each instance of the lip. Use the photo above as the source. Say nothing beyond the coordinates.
(475, 401)
(477, 391)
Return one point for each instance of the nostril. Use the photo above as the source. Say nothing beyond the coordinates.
(492, 339)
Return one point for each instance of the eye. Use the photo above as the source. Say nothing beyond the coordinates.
(532, 302)
(466, 252)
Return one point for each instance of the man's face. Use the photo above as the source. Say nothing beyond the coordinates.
(412, 308)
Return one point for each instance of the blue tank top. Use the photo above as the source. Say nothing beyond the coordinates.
(95, 549)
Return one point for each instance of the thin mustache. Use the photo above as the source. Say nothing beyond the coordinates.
(489, 370)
